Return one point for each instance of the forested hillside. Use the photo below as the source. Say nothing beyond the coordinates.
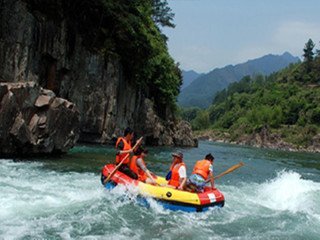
(287, 101)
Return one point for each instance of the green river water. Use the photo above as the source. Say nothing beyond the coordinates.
(274, 195)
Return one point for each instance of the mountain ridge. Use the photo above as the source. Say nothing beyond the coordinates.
(201, 91)
(189, 76)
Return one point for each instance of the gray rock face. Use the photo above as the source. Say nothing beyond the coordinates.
(34, 121)
(158, 132)
(52, 55)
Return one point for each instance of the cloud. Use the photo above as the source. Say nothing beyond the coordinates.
(295, 34)
(289, 36)
(194, 57)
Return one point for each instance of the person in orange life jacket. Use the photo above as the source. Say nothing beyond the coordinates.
(177, 175)
(123, 148)
(199, 176)
(138, 165)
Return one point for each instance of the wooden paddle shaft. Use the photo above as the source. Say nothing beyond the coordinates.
(229, 170)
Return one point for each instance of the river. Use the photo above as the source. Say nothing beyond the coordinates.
(274, 195)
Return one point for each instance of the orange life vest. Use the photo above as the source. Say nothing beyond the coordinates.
(202, 168)
(142, 176)
(174, 181)
(127, 146)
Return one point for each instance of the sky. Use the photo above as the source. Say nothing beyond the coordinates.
(211, 34)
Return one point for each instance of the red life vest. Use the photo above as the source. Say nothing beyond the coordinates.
(142, 176)
(174, 181)
(105, 171)
(127, 146)
(202, 168)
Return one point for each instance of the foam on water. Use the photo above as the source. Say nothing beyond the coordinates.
(33, 199)
(286, 205)
(289, 192)
(286, 192)
(36, 202)
(30, 191)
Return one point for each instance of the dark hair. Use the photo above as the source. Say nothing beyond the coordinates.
(140, 150)
(209, 157)
(128, 131)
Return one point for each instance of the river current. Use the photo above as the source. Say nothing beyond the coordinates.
(274, 195)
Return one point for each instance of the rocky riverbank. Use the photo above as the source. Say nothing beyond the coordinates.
(262, 139)
(34, 121)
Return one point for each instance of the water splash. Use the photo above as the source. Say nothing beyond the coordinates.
(289, 192)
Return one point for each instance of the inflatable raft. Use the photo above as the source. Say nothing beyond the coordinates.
(167, 197)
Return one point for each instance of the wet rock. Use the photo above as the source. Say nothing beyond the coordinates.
(31, 126)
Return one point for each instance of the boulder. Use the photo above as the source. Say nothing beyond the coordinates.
(35, 122)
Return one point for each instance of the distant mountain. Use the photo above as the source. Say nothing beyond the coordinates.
(203, 89)
(188, 77)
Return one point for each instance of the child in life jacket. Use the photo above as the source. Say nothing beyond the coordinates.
(138, 166)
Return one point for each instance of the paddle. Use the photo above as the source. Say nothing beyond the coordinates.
(114, 170)
(229, 170)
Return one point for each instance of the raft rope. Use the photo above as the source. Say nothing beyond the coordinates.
(156, 196)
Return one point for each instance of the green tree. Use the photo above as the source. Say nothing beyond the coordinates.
(161, 13)
(202, 120)
(189, 114)
(220, 97)
(315, 118)
(258, 81)
(308, 54)
(276, 117)
(308, 51)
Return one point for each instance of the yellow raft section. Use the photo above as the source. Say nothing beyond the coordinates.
(167, 193)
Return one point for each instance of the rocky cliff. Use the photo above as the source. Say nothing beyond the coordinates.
(52, 55)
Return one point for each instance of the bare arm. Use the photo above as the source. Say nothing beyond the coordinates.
(135, 147)
(212, 180)
(125, 151)
(183, 182)
(150, 177)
